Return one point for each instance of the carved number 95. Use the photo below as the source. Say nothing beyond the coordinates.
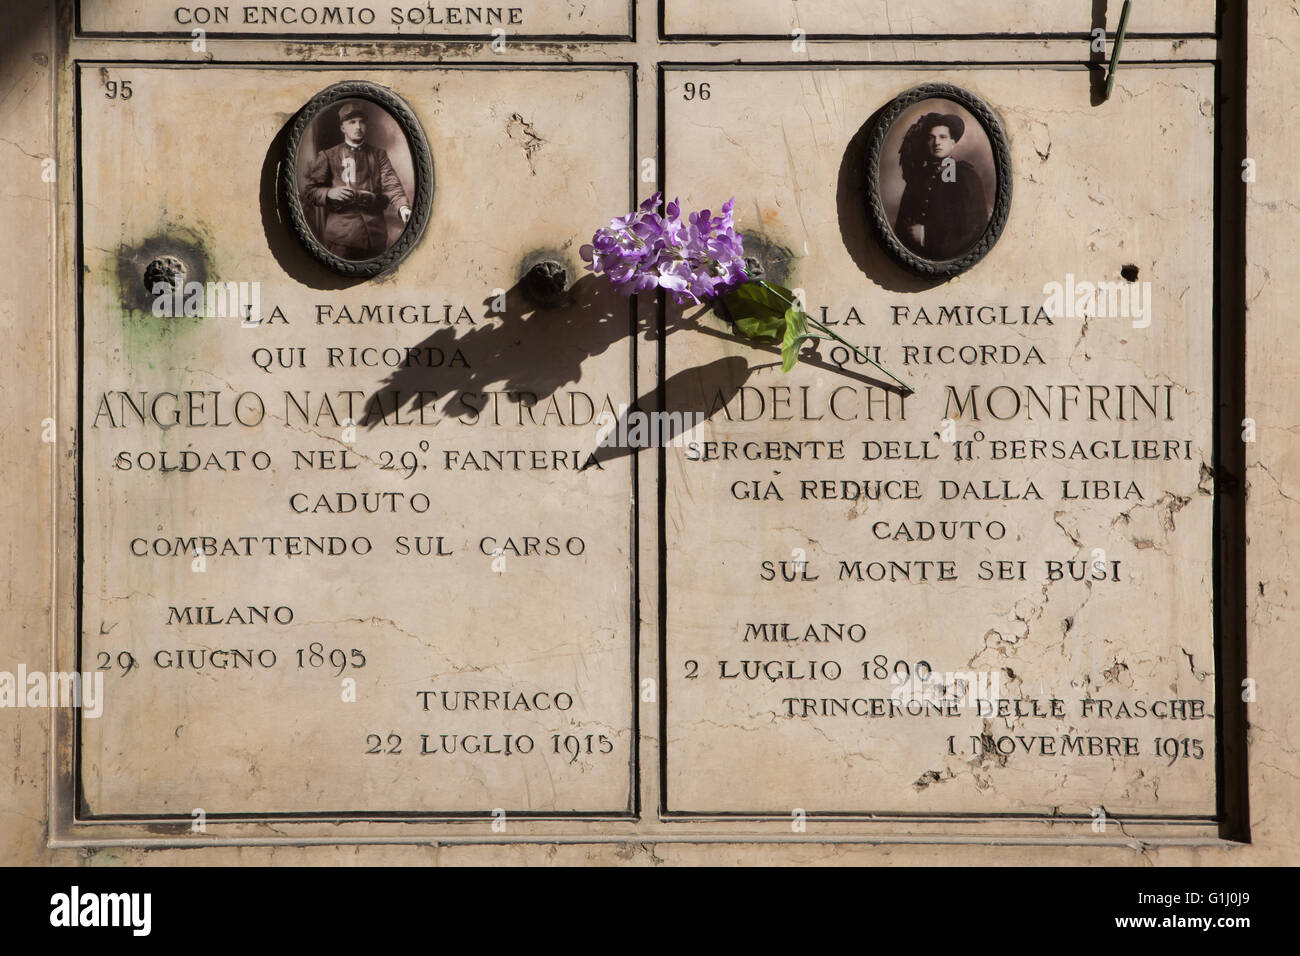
(114, 89)
(697, 91)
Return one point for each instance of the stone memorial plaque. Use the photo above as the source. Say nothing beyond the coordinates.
(610, 19)
(938, 18)
(993, 595)
(339, 552)
(390, 465)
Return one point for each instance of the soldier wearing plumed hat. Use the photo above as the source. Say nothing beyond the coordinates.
(944, 210)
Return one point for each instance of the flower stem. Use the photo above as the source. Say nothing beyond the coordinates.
(838, 338)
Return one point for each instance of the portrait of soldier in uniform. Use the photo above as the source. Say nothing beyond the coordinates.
(353, 196)
(946, 176)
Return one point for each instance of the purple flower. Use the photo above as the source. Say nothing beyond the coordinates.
(696, 260)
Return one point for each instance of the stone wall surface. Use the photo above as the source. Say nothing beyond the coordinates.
(362, 569)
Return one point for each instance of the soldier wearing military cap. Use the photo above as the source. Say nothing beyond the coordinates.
(943, 211)
(352, 184)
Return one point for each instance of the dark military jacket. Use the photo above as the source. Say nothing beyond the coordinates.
(954, 214)
(358, 222)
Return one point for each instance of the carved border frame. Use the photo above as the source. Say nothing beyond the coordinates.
(421, 156)
(940, 268)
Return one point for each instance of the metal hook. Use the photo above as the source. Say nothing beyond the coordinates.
(1119, 45)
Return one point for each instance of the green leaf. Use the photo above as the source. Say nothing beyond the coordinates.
(796, 330)
(787, 296)
(766, 312)
(756, 312)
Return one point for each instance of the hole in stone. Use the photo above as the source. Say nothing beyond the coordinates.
(546, 284)
(164, 270)
(1129, 272)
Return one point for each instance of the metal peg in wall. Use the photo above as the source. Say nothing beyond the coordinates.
(1119, 45)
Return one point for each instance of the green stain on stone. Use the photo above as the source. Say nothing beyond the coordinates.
(148, 337)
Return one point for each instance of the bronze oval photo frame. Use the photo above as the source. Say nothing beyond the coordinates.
(1001, 162)
(421, 203)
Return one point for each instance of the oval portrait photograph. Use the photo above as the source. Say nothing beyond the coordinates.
(939, 179)
(358, 178)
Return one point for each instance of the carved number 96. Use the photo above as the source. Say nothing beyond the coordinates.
(113, 89)
(697, 90)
